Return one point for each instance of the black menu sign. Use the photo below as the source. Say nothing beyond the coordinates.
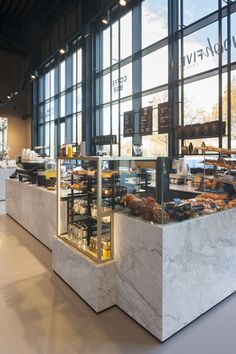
(128, 123)
(105, 140)
(146, 121)
(163, 118)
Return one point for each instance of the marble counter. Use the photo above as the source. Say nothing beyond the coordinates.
(183, 188)
(163, 276)
(4, 174)
(169, 275)
(34, 208)
(94, 282)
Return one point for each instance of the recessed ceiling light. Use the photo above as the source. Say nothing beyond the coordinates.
(62, 51)
(8, 96)
(123, 2)
(32, 76)
(16, 93)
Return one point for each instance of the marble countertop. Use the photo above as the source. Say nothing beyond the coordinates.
(175, 223)
(16, 180)
(183, 188)
(64, 193)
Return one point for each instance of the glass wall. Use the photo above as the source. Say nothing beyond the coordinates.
(206, 61)
(129, 77)
(59, 89)
(147, 55)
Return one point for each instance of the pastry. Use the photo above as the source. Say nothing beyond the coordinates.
(148, 208)
(75, 186)
(125, 199)
(115, 172)
(159, 215)
(232, 203)
(91, 172)
(81, 172)
(106, 174)
(136, 206)
(106, 192)
(211, 196)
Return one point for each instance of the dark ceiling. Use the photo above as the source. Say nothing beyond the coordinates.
(22, 22)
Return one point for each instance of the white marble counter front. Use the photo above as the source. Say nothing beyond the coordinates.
(94, 282)
(34, 208)
(162, 276)
(4, 174)
(169, 275)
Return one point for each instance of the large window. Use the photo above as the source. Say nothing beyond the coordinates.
(138, 60)
(128, 83)
(60, 102)
(154, 21)
(114, 81)
(207, 58)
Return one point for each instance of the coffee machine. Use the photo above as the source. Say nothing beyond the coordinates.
(28, 171)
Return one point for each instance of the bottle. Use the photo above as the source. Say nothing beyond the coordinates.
(203, 145)
(69, 151)
(190, 148)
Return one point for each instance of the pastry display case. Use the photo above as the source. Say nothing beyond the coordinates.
(210, 179)
(189, 187)
(89, 210)
(95, 187)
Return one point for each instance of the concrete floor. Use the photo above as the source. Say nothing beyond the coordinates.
(40, 314)
(2, 207)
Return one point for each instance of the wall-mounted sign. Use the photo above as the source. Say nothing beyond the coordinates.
(208, 51)
(105, 140)
(128, 124)
(118, 84)
(145, 125)
(163, 118)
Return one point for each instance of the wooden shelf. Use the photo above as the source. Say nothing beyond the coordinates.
(201, 137)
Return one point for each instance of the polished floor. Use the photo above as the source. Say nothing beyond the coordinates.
(40, 314)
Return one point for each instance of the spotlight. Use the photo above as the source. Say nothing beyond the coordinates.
(34, 75)
(123, 2)
(87, 31)
(8, 96)
(106, 18)
(86, 35)
(62, 51)
(16, 93)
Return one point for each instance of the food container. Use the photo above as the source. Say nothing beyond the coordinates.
(205, 129)
(196, 130)
(179, 132)
(94, 210)
(184, 150)
(188, 131)
(223, 128)
(214, 128)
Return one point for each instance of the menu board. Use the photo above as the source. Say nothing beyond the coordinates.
(128, 124)
(163, 118)
(145, 127)
(105, 140)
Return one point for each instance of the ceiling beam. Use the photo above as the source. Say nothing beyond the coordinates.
(22, 53)
(15, 37)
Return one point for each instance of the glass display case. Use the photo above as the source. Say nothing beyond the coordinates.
(189, 187)
(94, 188)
